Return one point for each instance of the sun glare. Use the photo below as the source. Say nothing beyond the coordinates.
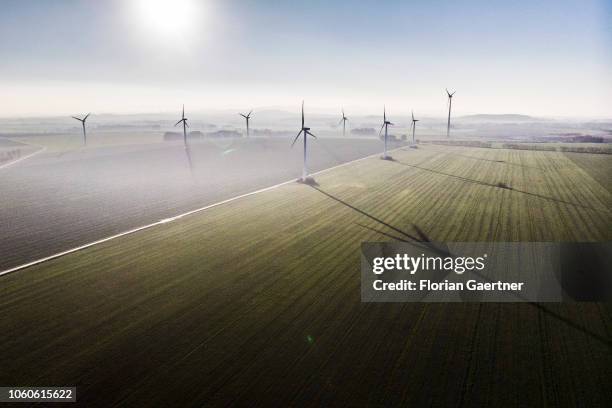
(169, 19)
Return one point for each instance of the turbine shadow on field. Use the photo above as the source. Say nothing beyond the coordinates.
(423, 238)
(500, 185)
(499, 161)
(360, 211)
(189, 159)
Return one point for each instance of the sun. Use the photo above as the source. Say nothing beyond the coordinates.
(169, 19)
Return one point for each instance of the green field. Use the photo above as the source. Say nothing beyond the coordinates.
(596, 165)
(258, 301)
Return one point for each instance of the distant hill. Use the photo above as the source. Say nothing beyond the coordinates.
(508, 117)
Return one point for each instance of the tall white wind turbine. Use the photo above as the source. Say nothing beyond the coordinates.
(450, 103)
(247, 117)
(414, 121)
(385, 125)
(187, 150)
(343, 121)
(83, 120)
(306, 132)
(185, 126)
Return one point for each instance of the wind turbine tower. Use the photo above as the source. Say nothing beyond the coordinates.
(385, 125)
(414, 121)
(247, 117)
(306, 132)
(343, 121)
(83, 120)
(185, 126)
(450, 103)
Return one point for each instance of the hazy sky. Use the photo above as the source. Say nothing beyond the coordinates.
(535, 57)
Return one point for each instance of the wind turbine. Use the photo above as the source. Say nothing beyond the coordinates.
(306, 131)
(343, 121)
(414, 121)
(187, 150)
(185, 126)
(385, 125)
(247, 117)
(450, 103)
(83, 123)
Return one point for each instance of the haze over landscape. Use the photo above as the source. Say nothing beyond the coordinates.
(548, 58)
(193, 194)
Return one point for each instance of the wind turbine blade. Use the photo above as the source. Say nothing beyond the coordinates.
(308, 133)
(79, 119)
(381, 128)
(86, 116)
(183, 111)
(178, 122)
(341, 120)
(187, 124)
(296, 138)
(249, 115)
(242, 115)
(384, 113)
(412, 113)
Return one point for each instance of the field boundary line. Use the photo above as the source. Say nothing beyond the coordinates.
(177, 217)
